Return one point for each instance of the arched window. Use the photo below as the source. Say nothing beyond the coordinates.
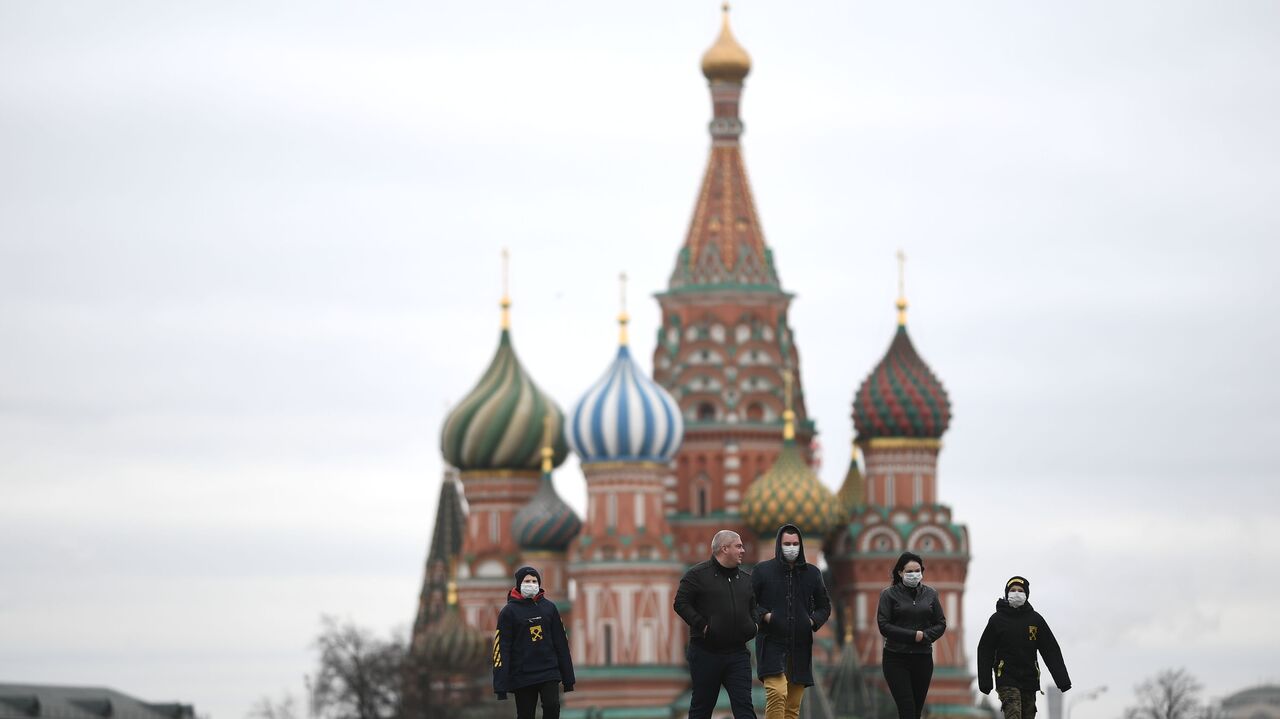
(755, 412)
(706, 412)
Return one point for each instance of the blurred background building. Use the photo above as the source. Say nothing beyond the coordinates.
(28, 701)
(1261, 702)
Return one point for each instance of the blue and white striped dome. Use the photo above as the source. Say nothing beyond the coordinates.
(625, 417)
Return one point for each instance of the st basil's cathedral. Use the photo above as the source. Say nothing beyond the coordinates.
(717, 438)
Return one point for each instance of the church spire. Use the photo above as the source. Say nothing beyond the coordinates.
(725, 247)
(901, 304)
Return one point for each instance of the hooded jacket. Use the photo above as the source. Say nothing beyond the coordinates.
(903, 611)
(1008, 648)
(530, 646)
(717, 604)
(796, 597)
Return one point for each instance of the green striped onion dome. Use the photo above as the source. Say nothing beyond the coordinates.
(545, 522)
(452, 647)
(901, 397)
(500, 424)
(790, 493)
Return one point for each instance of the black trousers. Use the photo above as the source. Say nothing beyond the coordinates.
(908, 677)
(527, 700)
(710, 671)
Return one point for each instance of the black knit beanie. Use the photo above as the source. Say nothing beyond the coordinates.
(523, 572)
(1016, 581)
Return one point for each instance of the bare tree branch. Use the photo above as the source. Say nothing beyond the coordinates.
(359, 677)
(1171, 694)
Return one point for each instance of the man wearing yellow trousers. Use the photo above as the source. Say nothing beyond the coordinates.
(791, 604)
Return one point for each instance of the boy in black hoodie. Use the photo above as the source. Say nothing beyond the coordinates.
(530, 649)
(1008, 648)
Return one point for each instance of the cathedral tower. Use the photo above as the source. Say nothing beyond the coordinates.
(544, 527)
(627, 644)
(725, 339)
(493, 437)
(900, 413)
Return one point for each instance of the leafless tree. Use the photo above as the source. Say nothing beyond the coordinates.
(359, 676)
(266, 708)
(1171, 694)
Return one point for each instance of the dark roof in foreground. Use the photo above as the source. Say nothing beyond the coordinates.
(45, 701)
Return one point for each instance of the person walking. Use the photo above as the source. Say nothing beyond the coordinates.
(1014, 633)
(715, 600)
(911, 620)
(530, 649)
(791, 604)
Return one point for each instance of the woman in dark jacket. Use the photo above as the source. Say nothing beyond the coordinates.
(530, 649)
(911, 620)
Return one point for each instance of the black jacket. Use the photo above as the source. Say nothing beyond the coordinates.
(795, 595)
(530, 646)
(719, 601)
(904, 611)
(1008, 647)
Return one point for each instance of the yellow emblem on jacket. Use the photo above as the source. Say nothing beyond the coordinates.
(536, 632)
(1031, 630)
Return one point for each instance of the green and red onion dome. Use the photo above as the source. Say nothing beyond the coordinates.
(499, 425)
(901, 397)
(545, 522)
(790, 493)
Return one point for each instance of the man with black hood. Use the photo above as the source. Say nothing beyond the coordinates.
(1008, 648)
(791, 604)
(530, 649)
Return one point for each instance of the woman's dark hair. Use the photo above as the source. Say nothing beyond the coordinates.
(902, 562)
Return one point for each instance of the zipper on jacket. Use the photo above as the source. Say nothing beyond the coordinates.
(733, 607)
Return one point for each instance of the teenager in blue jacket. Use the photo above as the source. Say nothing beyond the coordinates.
(530, 649)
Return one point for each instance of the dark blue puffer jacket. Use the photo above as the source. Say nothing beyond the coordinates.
(530, 646)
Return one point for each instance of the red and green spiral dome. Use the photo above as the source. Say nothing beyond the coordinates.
(901, 397)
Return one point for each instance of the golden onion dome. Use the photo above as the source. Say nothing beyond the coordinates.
(790, 493)
(726, 61)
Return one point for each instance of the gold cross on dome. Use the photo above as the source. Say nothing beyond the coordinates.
(505, 303)
(902, 288)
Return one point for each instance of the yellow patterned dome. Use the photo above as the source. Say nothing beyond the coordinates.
(726, 61)
(853, 493)
(790, 493)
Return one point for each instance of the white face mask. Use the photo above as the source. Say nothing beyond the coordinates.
(1017, 599)
(912, 579)
(790, 553)
(529, 590)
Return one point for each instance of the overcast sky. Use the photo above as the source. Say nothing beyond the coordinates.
(250, 253)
